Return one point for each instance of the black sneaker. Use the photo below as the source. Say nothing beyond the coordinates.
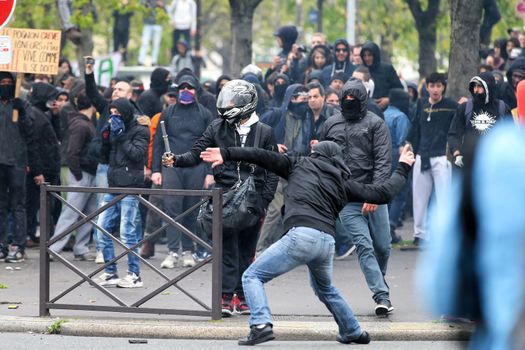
(258, 334)
(15, 255)
(228, 306)
(364, 338)
(384, 307)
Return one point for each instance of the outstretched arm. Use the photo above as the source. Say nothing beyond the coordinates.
(384, 192)
(275, 162)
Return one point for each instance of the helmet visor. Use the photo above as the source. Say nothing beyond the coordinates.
(233, 96)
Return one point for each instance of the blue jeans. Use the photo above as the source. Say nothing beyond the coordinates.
(300, 246)
(371, 236)
(150, 32)
(126, 212)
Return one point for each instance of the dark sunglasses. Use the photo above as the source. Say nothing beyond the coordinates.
(186, 87)
(341, 50)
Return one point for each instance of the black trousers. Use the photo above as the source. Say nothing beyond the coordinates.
(12, 200)
(238, 252)
(33, 204)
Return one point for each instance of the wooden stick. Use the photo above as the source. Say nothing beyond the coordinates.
(18, 86)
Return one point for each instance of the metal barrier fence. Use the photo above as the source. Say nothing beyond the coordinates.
(46, 303)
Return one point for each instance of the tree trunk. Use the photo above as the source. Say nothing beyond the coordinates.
(426, 25)
(464, 45)
(320, 16)
(241, 27)
(427, 52)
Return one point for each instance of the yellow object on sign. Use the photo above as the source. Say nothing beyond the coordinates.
(33, 51)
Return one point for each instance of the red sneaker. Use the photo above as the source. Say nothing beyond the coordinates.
(228, 306)
(242, 306)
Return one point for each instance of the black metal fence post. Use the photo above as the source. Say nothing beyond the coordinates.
(216, 294)
(44, 257)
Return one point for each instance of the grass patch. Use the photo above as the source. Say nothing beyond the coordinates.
(3, 286)
(56, 327)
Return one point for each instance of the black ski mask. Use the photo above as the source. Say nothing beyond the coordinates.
(280, 91)
(351, 109)
(7, 92)
(479, 99)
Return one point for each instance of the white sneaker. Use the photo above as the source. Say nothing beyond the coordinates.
(130, 281)
(171, 261)
(107, 280)
(187, 259)
(99, 259)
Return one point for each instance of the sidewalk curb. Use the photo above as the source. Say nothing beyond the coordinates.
(223, 330)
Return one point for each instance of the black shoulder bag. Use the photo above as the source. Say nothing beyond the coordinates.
(240, 208)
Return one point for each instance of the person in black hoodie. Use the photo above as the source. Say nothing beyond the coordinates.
(185, 123)
(342, 62)
(286, 37)
(150, 101)
(219, 83)
(81, 173)
(366, 144)
(41, 98)
(237, 126)
(507, 90)
(205, 98)
(125, 141)
(17, 151)
(384, 75)
(319, 186)
(280, 83)
(476, 116)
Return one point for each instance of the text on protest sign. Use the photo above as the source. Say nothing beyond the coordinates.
(34, 51)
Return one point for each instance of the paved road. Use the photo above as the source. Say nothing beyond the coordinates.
(21, 341)
(289, 295)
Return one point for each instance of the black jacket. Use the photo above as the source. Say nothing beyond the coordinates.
(317, 190)
(506, 90)
(17, 143)
(483, 117)
(365, 141)
(221, 134)
(184, 124)
(81, 131)
(428, 134)
(48, 147)
(384, 75)
(102, 107)
(127, 154)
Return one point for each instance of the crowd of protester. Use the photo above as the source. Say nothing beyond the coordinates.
(69, 131)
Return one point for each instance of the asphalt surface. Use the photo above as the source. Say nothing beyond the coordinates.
(298, 315)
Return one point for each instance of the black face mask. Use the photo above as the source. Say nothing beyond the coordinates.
(280, 91)
(7, 92)
(479, 99)
(298, 108)
(351, 109)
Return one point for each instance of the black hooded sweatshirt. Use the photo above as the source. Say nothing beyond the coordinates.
(204, 97)
(484, 113)
(506, 90)
(384, 75)
(320, 185)
(48, 147)
(126, 154)
(365, 139)
(150, 101)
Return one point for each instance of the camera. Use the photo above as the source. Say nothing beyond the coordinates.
(89, 60)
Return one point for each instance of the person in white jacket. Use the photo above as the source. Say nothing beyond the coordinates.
(183, 20)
